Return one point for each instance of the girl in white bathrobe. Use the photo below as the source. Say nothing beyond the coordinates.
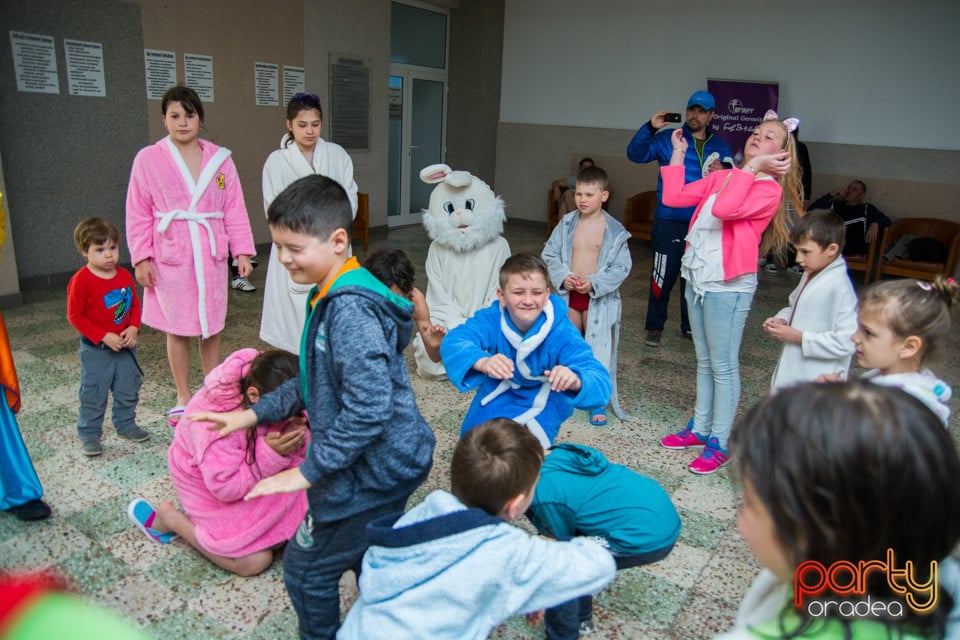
(302, 153)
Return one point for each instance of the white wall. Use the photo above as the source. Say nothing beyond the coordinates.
(864, 73)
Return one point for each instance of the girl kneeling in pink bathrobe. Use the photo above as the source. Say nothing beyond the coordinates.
(212, 474)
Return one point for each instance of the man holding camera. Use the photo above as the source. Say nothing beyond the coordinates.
(669, 224)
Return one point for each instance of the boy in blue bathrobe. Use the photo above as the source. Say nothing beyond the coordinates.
(524, 356)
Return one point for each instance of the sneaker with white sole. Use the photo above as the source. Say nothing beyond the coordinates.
(242, 284)
(711, 458)
(684, 439)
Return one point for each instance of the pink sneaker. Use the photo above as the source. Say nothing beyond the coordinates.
(711, 458)
(683, 440)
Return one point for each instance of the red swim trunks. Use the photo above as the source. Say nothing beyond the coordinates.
(579, 301)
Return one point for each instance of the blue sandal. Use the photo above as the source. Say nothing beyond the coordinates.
(142, 515)
(593, 418)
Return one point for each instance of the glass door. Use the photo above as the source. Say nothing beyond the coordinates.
(417, 139)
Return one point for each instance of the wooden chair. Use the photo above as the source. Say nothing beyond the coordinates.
(638, 214)
(553, 217)
(864, 263)
(361, 224)
(948, 233)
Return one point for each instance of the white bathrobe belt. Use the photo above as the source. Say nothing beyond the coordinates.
(194, 220)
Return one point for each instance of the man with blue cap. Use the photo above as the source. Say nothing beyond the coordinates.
(670, 224)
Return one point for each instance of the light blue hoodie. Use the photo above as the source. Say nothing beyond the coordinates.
(444, 571)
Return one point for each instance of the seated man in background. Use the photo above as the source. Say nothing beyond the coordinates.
(564, 189)
(862, 220)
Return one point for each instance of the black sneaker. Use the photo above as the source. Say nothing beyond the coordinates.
(685, 334)
(653, 338)
(32, 510)
(586, 627)
(91, 448)
(135, 435)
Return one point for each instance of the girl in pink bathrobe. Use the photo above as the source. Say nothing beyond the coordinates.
(212, 474)
(185, 210)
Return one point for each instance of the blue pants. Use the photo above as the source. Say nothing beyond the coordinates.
(717, 323)
(563, 621)
(103, 371)
(315, 559)
(668, 242)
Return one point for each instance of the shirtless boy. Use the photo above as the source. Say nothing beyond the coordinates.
(588, 258)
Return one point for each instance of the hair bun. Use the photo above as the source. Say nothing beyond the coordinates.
(948, 289)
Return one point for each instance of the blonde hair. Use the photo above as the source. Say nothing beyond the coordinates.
(776, 237)
(915, 308)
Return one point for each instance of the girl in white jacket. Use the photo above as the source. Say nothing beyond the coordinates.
(903, 324)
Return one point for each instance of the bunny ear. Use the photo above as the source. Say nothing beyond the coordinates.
(771, 115)
(791, 124)
(434, 173)
(458, 178)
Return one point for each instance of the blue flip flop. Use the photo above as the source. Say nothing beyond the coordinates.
(142, 515)
(598, 423)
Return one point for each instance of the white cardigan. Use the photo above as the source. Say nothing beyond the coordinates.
(824, 308)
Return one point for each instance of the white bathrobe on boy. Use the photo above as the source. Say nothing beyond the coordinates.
(824, 308)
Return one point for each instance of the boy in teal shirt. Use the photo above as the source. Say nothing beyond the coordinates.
(580, 493)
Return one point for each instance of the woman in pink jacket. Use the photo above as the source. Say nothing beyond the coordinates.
(737, 211)
(212, 474)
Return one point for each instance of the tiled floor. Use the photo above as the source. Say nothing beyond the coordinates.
(175, 593)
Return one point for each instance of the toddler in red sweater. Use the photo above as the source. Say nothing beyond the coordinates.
(102, 305)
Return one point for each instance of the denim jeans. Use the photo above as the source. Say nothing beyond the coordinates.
(103, 370)
(717, 321)
(315, 559)
(667, 242)
(563, 621)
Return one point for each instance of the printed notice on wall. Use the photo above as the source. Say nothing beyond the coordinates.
(85, 68)
(161, 68)
(198, 75)
(265, 84)
(293, 82)
(350, 102)
(35, 62)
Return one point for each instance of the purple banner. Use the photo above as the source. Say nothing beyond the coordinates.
(740, 108)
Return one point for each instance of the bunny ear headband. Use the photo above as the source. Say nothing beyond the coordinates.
(790, 123)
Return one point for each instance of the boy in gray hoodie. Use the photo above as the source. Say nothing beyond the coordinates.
(369, 445)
